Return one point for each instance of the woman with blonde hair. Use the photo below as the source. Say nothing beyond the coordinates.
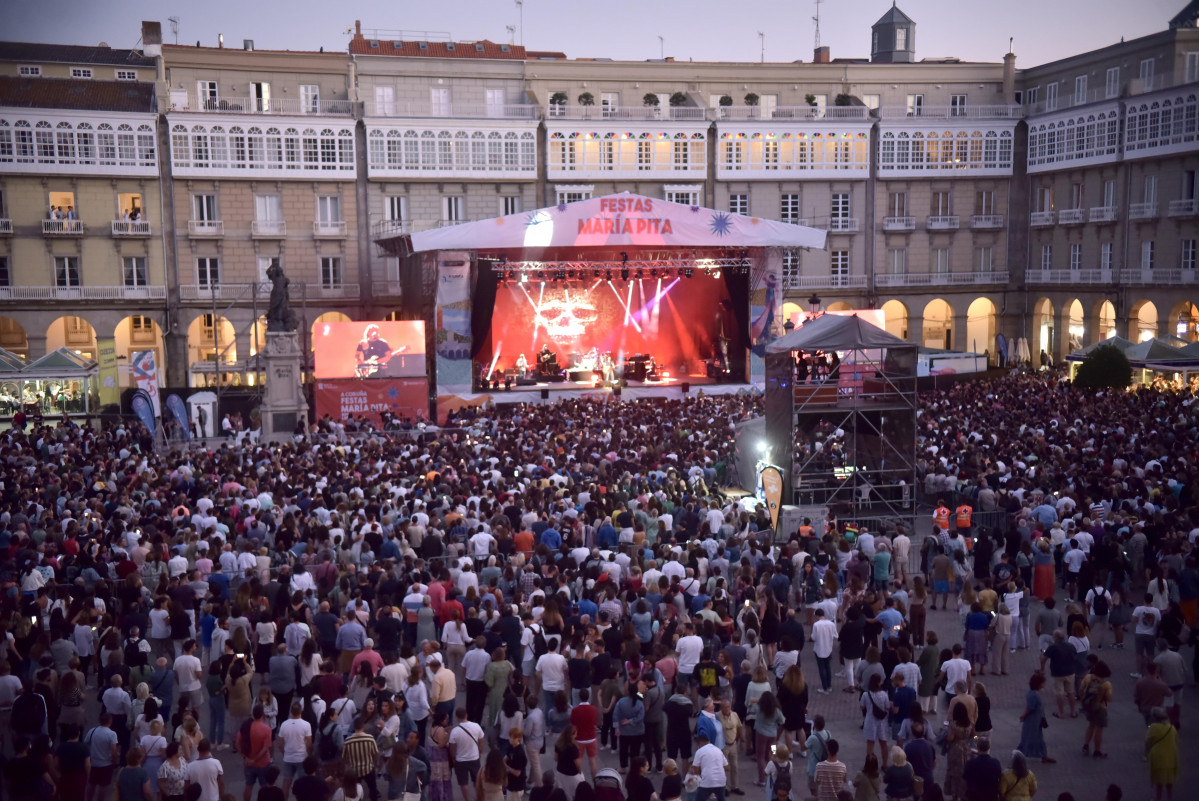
(793, 701)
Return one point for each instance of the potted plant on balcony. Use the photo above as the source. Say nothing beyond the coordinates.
(751, 100)
(586, 100)
(558, 102)
(843, 100)
(652, 101)
(678, 99)
(725, 102)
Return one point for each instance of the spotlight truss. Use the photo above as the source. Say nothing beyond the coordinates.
(538, 271)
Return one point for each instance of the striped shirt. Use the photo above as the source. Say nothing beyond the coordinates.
(830, 778)
(358, 754)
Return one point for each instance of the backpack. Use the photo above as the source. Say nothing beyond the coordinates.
(1101, 604)
(879, 712)
(134, 656)
(1090, 698)
(540, 647)
(327, 749)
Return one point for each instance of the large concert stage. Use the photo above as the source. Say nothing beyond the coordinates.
(636, 390)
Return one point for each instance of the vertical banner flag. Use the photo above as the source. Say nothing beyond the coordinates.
(145, 375)
(176, 407)
(772, 487)
(110, 389)
(143, 408)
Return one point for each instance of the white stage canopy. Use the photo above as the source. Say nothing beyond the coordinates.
(616, 221)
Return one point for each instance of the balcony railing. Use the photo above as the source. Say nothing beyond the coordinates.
(983, 221)
(381, 289)
(450, 223)
(5, 226)
(1142, 211)
(843, 224)
(792, 113)
(335, 290)
(62, 227)
(387, 228)
(274, 105)
(1072, 216)
(942, 222)
(899, 223)
(1184, 208)
(1154, 83)
(941, 279)
(462, 111)
(1040, 219)
(626, 113)
(205, 228)
(1091, 276)
(130, 228)
(1163, 277)
(991, 112)
(827, 282)
(329, 228)
(268, 229)
(83, 292)
(1104, 214)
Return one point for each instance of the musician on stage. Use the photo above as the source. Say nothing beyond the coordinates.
(373, 348)
(522, 366)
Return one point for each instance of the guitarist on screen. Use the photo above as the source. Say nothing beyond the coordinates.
(373, 352)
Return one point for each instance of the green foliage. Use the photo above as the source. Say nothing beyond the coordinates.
(678, 99)
(726, 100)
(810, 99)
(751, 99)
(843, 100)
(1105, 367)
(587, 99)
(558, 99)
(650, 99)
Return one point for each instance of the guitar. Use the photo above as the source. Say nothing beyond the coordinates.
(374, 364)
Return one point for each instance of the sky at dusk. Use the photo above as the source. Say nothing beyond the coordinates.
(703, 30)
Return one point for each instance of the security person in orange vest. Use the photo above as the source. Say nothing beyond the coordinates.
(941, 516)
(963, 517)
(806, 531)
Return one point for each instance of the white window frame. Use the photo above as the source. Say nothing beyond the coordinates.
(901, 39)
(915, 105)
(67, 272)
(265, 263)
(986, 259)
(331, 272)
(1147, 254)
(553, 111)
(871, 102)
(268, 208)
(208, 271)
(453, 208)
(685, 194)
(1147, 70)
(897, 261)
(441, 102)
(1186, 254)
(790, 207)
(941, 203)
(739, 203)
(838, 268)
(792, 261)
(84, 73)
(1031, 95)
(957, 105)
(573, 193)
(1192, 66)
(385, 101)
(1150, 189)
(310, 98)
(1109, 193)
(510, 204)
(1051, 95)
(126, 75)
(395, 208)
(29, 70)
(840, 206)
(208, 95)
(942, 261)
(609, 104)
(1080, 89)
(205, 210)
(1112, 83)
(1105, 255)
(137, 269)
(1075, 255)
(5, 272)
(329, 209)
(984, 201)
(1046, 257)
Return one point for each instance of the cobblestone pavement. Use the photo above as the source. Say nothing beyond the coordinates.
(1086, 777)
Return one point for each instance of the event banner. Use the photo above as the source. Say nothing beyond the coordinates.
(341, 397)
(772, 487)
(143, 408)
(110, 385)
(452, 321)
(372, 349)
(145, 375)
(177, 408)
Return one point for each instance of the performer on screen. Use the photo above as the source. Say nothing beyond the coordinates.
(373, 352)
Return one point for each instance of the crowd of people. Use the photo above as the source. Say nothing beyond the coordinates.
(483, 610)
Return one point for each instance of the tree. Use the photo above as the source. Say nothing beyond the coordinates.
(558, 99)
(587, 99)
(678, 99)
(751, 99)
(650, 99)
(1105, 367)
(843, 100)
(726, 100)
(810, 99)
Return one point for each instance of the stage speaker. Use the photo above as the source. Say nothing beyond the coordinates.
(616, 392)
(686, 387)
(545, 394)
(526, 382)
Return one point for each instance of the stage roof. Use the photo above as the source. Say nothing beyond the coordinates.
(837, 332)
(616, 221)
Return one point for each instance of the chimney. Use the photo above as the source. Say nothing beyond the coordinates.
(220, 40)
(247, 44)
(822, 55)
(357, 29)
(151, 38)
(1009, 78)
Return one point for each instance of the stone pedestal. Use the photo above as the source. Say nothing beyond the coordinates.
(283, 401)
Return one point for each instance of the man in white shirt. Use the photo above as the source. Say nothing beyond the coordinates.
(710, 763)
(824, 634)
(902, 546)
(208, 773)
(10, 688)
(295, 740)
(1146, 617)
(690, 649)
(956, 670)
(466, 740)
(189, 674)
(551, 672)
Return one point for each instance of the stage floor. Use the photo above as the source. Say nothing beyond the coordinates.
(545, 392)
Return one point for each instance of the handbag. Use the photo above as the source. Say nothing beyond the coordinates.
(411, 796)
(691, 783)
(917, 787)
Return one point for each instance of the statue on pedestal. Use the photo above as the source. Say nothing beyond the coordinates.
(279, 316)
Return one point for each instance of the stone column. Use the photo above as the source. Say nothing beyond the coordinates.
(283, 402)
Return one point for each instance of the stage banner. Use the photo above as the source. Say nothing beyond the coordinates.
(110, 385)
(145, 375)
(177, 408)
(340, 398)
(772, 487)
(765, 309)
(452, 322)
(143, 408)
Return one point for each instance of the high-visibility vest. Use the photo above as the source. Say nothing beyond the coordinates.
(941, 517)
(805, 531)
(964, 514)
